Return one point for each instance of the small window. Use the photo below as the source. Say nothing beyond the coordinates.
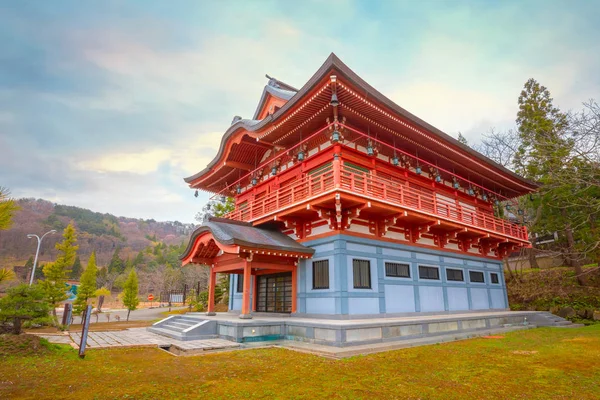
(476, 276)
(397, 270)
(240, 284)
(362, 274)
(321, 274)
(429, 273)
(455, 275)
(494, 277)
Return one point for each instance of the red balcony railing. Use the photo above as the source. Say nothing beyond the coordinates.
(367, 185)
(305, 188)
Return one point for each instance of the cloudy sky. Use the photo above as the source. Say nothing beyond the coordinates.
(109, 104)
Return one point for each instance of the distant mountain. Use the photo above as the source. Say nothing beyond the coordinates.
(96, 231)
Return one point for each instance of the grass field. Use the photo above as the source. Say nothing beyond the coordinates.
(545, 363)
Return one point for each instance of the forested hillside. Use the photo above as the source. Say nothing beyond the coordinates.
(103, 233)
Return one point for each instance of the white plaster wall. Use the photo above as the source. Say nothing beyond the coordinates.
(426, 241)
(431, 298)
(399, 298)
(396, 235)
(319, 229)
(458, 299)
(359, 228)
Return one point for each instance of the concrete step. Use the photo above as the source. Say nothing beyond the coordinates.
(187, 317)
(166, 332)
(182, 324)
(178, 335)
(171, 327)
(192, 320)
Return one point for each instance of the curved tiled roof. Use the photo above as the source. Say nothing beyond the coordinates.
(273, 91)
(334, 63)
(229, 232)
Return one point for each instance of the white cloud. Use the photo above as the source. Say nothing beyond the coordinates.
(190, 152)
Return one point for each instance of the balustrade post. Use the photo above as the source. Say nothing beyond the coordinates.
(336, 167)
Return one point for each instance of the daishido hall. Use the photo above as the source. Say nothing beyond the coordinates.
(349, 206)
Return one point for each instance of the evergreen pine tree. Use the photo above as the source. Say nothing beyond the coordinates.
(76, 269)
(87, 288)
(128, 265)
(39, 273)
(546, 154)
(139, 259)
(23, 303)
(116, 264)
(56, 273)
(29, 266)
(130, 293)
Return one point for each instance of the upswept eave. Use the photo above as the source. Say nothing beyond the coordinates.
(235, 233)
(333, 63)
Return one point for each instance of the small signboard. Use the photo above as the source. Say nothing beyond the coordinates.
(150, 297)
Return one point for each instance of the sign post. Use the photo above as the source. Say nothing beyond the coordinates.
(66, 321)
(84, 332)
(150, 298)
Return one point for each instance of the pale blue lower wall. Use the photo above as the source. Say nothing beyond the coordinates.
(392, 295)
(235, 299)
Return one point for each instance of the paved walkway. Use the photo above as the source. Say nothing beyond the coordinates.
(142, 314)
(137, 337)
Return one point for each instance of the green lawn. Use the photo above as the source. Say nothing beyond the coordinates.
(545, 363)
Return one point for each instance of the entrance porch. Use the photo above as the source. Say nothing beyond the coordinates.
(265, 259)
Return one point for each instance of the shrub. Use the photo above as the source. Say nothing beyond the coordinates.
(24, 303)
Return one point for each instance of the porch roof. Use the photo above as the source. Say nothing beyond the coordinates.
(228, 233)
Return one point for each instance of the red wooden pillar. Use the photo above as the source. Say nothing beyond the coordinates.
(255, 293)
(246, 294)
(211, 292)
(294, 288)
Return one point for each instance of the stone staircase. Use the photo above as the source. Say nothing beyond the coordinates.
(544, 318)
(185, 327)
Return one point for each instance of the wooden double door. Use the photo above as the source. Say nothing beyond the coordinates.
(274, 293)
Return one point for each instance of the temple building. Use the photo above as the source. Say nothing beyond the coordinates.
(347, 205)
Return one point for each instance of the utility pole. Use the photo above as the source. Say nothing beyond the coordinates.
(31, 235)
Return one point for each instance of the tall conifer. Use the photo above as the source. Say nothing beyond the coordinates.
(130, 293)
(56, 273)
(87, 288)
